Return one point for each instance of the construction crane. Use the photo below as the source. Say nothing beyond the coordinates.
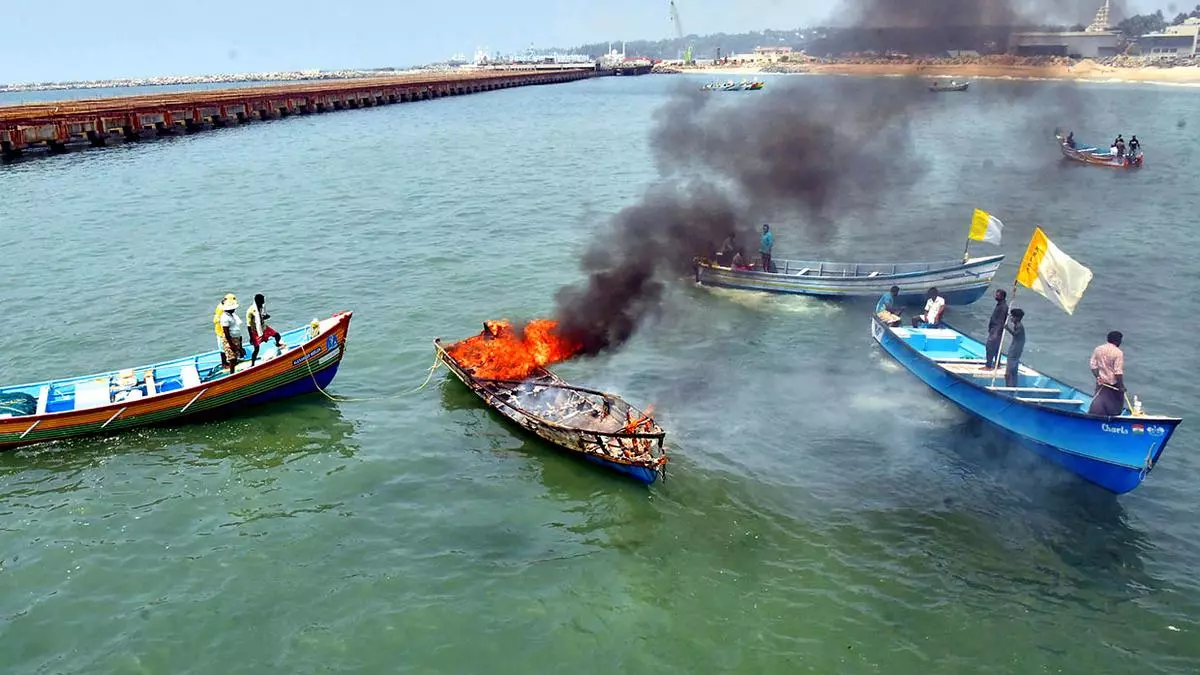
(687, 50)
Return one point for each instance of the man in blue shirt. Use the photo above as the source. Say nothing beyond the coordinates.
(764, 248)
(887, 308)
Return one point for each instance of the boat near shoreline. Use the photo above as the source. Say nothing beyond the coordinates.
(953, 86)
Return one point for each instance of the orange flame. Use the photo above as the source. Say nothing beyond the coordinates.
(645, 422)
(501, 353)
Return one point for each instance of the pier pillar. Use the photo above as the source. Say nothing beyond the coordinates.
(8, 151)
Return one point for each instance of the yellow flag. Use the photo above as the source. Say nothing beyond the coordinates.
(1052, 274)
(985, 227)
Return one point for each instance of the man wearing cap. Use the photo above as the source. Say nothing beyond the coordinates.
(1108, 367)
(229, 332)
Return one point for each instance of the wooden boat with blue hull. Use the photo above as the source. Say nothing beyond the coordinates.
(960, 283)
(1042, 412)
(172, 390)
(599, 427)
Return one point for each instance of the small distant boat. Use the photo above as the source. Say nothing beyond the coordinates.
(744, 85)
(169, 391)
(1098, 157)
(959, 282)
(953, 86)
(1043, 413)
(600, 427)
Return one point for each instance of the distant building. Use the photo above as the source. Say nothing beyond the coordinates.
(1174, 42)
(764, 55)
(1096, 41)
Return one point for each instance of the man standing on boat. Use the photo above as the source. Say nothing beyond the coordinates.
(764, 248)
(229, 332)
(1108, 367)
(260, 332)
(996, 328)
(1016, 328)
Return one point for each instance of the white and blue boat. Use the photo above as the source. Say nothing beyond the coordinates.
(960, 282)
(1042, 412)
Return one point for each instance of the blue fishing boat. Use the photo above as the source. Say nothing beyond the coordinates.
(960, 282)
(1045, 414)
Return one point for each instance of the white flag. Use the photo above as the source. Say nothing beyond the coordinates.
(985, 227)
(1053, 274)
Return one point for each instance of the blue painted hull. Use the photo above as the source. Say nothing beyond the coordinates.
(639, 473)
(299, 387)
(1116, 453)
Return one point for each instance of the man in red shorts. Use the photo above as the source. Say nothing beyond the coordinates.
(260, 332)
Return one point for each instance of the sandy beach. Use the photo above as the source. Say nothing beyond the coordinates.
(1078, 70)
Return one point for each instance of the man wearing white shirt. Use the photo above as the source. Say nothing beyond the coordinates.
(935, 304)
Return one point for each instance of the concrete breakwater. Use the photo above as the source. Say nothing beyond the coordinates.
(59, 126)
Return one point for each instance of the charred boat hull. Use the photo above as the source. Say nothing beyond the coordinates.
(599, 427)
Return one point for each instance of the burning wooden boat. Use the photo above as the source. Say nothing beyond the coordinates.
(508, 372)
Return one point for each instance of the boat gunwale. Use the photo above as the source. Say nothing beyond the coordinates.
(654, 463)
(972, 263)
(1176, 421)
(342, 318)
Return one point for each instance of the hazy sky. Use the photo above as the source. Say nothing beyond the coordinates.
(72, 41)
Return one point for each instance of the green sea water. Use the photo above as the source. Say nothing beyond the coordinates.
(824, 511)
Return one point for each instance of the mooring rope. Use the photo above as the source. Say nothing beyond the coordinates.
(362, 399)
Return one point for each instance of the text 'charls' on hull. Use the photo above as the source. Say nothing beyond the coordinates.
(172, 390)
(1044, 414)
(960, 283)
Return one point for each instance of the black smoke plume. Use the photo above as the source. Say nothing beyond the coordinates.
(803, 155)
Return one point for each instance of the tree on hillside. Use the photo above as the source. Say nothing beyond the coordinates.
(1140, 24)
(1184, 16)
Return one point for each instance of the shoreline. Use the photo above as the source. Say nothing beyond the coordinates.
(1084, 71)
